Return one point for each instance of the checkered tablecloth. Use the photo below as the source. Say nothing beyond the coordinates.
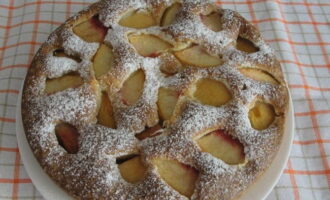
(299, 31)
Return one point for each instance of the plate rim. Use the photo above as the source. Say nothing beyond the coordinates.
(48, 188)
(260, 189)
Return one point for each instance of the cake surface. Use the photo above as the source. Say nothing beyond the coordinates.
(151, 99)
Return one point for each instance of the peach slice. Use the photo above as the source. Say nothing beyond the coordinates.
(169, 69)
(91, 30)
(258, 75)
(167, 99)
(170, 14)
(61, 53)
(149, 132)
(212, 21)
(105, 116)
(133, 87)
(171, 64)
(222, 146)
(179, 176)
(71, 80)
(67, 136)
(132, 170)
(138, 19)
(211, 92)
(103, 60)
(148, 45)
(261, 115)
(246, 45)
(198, 57)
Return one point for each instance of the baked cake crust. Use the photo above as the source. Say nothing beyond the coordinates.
(92, 172)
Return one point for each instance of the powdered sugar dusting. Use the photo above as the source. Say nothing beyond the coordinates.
(93, 172)
(57, 66)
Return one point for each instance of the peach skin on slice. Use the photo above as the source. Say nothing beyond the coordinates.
(179, 176)
(138, 19)
(91, 30)
(148, 45)
(167, 99)
(70, 80)
(211, 92)
(149, 132)
(222, 146)
(258, 75)
(170, 14)
(103, 60)
(105, 116)
(132, 170)
(198, 57)
(67, 136)
(133, 87)
(261, 115)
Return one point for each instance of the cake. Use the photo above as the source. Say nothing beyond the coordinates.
(152, 99)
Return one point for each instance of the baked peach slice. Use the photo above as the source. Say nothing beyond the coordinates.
(103, 60)
(149, 132)
(179, 176)
(246, 45)
(167, 99)
(222, 146)
(211, 92)
(170, 65)
(133, 87)
(71, 80)
(198, 57)
(258, 75)
(105, 116)
(148, 45)
(212, 21)
(170, 14)
(138, 19)
(132, 170)
(67, 136)
(91, 30)
(261, 115)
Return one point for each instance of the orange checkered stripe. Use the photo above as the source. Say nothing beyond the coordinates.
(298, 30)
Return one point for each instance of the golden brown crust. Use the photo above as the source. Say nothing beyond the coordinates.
(92, 172)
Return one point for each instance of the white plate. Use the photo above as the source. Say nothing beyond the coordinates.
(259, 190)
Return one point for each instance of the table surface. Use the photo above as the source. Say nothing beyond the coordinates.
(299, 31)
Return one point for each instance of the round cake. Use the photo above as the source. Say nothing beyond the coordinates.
(155, 99)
